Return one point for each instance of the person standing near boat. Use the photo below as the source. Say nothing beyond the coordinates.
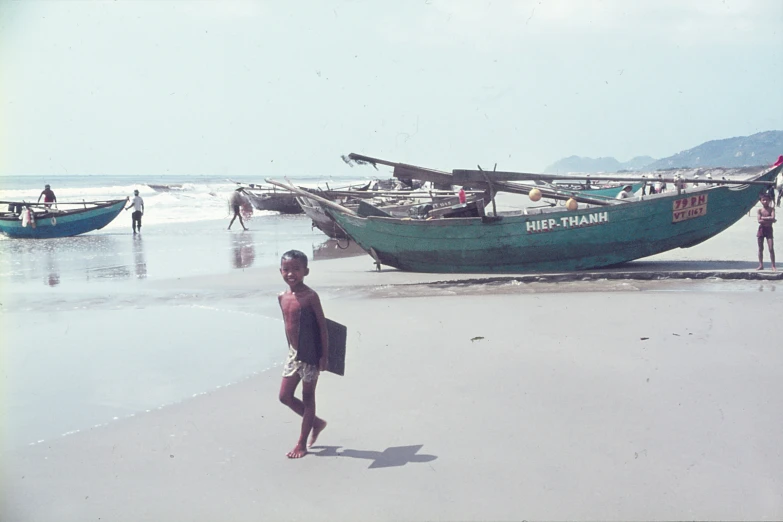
(138, 210)
(48, 194)
(660, 186)
(778, 181)
(779, 187)
(627, 192)
(766, 217)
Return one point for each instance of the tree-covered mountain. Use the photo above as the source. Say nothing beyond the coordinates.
(762, 148)
(744, 151)
(592, 165)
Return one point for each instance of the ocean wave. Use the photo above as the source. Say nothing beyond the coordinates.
(192, 200)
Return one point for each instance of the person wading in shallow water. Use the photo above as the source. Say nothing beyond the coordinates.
(766, 217)
(302, 309)
(138, 210)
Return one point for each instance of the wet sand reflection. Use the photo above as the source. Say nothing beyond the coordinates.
(53, 277)
(139, 260)
(242, 250)
(336, 248)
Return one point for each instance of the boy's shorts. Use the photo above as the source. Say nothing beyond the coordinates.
(764, 232)
(308, 372)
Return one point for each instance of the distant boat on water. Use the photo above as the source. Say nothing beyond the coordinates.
(40, 221)
(588, 232)
(164, 188)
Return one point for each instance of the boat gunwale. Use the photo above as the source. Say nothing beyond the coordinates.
(49, 212)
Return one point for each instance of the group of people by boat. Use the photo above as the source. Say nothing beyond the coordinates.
(453, 225)
(52, 219)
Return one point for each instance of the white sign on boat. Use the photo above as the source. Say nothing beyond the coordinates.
(585, 220)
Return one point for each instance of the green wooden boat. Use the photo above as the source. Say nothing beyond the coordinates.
(556, 239)
(47, 222)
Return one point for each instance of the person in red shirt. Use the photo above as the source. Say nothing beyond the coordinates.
(48, 194)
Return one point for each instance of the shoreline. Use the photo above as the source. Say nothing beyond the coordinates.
(623, 417)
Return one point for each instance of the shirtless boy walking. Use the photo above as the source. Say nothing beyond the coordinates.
(766, 217)
(298, 303)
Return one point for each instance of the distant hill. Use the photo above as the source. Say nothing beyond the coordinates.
(594, 165)
(744, 151)
(762, 148)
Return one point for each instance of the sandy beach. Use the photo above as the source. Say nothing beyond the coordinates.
(465, 398)
(141, 359)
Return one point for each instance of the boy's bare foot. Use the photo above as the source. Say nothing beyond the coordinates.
(774, 269)
(316, 431)
(760, 267)
(298, 452)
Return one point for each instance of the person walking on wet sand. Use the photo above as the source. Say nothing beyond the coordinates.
(766, 217)
(138, 210)
(236, 205)
(302, 309)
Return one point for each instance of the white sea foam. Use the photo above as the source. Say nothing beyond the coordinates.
(183, 202)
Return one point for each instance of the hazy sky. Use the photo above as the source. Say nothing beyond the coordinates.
(286, 87)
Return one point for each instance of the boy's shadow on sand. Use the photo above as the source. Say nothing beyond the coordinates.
(390, 457)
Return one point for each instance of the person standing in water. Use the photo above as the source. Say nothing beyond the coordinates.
(138, 210)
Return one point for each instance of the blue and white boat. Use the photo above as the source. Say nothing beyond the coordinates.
(41, 221)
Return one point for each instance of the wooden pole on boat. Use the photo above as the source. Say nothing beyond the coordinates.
(554, 193)
(492, 191)
(462, 176)
(401, 193)
(441, 176)
(323, 201)
(466, 176)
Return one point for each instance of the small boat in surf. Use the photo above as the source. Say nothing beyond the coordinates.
(45, 221)
(164, 188)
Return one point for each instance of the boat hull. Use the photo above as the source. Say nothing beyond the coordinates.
(278, 202)
(63, 224)
(321, 220)
(554, 241)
